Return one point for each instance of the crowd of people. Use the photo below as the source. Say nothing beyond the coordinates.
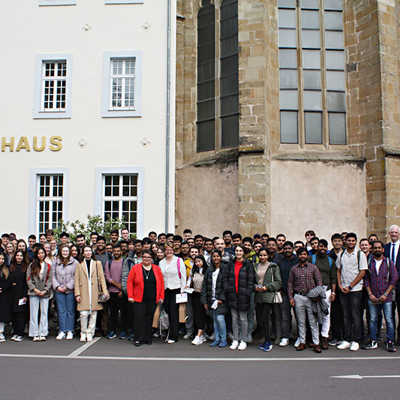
(229, 290)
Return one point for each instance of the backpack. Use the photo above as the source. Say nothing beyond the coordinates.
(358, 258)
(314, 260)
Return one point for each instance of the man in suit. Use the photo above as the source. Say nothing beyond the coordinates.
(392, 252)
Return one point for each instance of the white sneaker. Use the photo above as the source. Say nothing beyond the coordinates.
(297, 343)
(187, 336)
(202, 339)
(2, 338)
(89, 337)
(83, 337)
(196, 341)
(36, 339)
(42, 338)
(354, 346)
(60, 336)
(70, 335)
(234, 345)
(18, 339)
(242, 345)
(344, 345)
(170, 341)
(13, 337)
(284, 342)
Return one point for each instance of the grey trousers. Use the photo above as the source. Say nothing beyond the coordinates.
(88, 322)
(302, 306)
(240, 326)
(286, 317)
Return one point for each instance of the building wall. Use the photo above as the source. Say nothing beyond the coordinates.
(85, 31)
(325, 197)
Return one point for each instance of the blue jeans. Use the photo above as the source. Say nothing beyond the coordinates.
(66, 311)
(374, 311)
(219, 327)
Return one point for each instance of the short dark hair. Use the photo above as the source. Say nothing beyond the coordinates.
(114, 231)
(226, 233)
(314, 239)
(168, 235)
(324, 242)
(298, 241)
(237, 236)
(152, 233)
(309, 232)
(379, 241)
(351, 235)
(177, 238)
(208, 240)
(63, 234)
(336, 236)
(265, 235)
(271, 239)
(281, 235)
(187, 230)
(100, 237)
(372, 234)
(161, 235)
(301, 250)
(80, 235)
(288, 243)
(94, 233)
(198, 237)
(247, 239)
(146, 240)
(256, 236)
(139, 241)
(117, 245)
(32, 236)
(6, 235)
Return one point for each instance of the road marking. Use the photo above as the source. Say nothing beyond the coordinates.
(365, 376)
(73, 356)
(83, 348)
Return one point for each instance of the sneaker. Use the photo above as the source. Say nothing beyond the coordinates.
(187, 336)
(242, 346)
(334, 342)
(42, 338)
(267, 346)
(83, 337)
(18, 339)
(123, 335)
(196, 341)
(343, 345)
(284, 342)
(89, 337)
(111, 335)
(131, 337)
(13, 337)
(170, 341)
(202, 339)
(60, 336)
(36, 339)
(2, 338)
(222, 344)
(70, 335)
(234, 345)
(215, 343)
(371, 345)
(354, 346)
(297, 342)
(390, 347)
(156, 335)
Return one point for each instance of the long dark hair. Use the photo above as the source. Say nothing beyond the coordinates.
(35, 266)
(24, 264)
(4, 271)
(219, 252)
(195, 268)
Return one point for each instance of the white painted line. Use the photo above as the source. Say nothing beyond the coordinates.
(191, 359)
(83, 348)
(358, 377)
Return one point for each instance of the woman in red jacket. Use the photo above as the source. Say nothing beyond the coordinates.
(145, 288)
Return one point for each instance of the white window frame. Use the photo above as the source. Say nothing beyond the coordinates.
(38, 111)
(33, 217)
(124, 2)
(99, 193)
(57, 3)
(107, 111)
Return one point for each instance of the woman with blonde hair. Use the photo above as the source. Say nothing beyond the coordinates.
(90, 286)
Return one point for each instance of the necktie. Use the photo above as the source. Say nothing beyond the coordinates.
(393, 252)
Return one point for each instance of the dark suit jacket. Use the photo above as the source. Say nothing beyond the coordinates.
(396, 264)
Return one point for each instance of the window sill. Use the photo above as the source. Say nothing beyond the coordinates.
(51, 115)
(46, 3)
(121, 114)
(116, 2)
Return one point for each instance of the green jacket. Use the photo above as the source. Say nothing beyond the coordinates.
(273, 283)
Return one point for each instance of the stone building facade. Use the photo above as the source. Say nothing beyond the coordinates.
(332, 167)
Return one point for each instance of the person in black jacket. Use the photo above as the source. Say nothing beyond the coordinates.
(239, 284)
(213, 297)
(19, 296)
(5, 296)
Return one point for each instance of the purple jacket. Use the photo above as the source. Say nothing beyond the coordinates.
(64, 276)
(379, 283)
(113, 272)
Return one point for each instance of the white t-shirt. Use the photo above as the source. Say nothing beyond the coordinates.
(349, 268)
(378, 265)
(171, 275)
(214, 282)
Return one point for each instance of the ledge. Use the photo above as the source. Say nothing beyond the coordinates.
(319, 156)
(391, 151)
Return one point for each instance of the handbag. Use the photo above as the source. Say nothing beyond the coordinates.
(102, 297)
(277, 295)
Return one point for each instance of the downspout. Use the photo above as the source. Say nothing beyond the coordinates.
(168, 116)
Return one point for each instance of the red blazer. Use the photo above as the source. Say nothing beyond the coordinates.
(135, 284)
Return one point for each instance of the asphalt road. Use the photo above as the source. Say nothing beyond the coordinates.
(118, 370)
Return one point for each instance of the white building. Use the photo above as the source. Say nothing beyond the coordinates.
(87, 113)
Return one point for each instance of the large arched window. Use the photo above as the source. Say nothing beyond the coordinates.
(206, 77)
(229, 79)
